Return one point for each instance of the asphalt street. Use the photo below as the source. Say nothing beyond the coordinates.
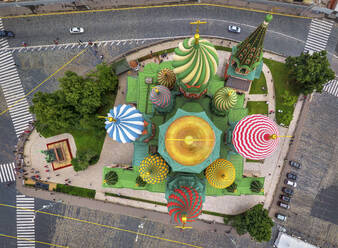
(7, 215)
(286, 35)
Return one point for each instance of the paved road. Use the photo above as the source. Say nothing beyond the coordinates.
(286, 35)
(7, 215)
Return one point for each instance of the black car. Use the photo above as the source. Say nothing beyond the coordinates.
(295, 164)
(4, 33)
(291, 176)
(285, 198)
(287, 191)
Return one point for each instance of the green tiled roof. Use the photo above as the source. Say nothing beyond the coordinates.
(131, 96)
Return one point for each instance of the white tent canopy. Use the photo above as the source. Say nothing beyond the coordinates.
(286, 241)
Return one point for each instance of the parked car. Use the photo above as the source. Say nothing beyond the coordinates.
(76, 30)
(234, 29)
(295, 164)
(283, 205)
(285, 198)
(281, 217)
(4, 33)
(291, 176)
(287, 191)
(290, 183)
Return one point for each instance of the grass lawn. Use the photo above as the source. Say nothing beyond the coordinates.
(257, 108)
(257, 84)
(281, 84)
(72, 190)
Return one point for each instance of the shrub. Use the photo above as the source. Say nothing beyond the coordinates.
(232, 188)
(72, 190)
(111, 178)
(83, 159)
(256, 186)
(140, 182)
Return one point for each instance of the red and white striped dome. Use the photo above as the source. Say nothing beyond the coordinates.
(255, 137)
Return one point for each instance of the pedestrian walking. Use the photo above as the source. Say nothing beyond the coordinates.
(90, 43)
(101, 57)
(57, 175)
(24, 44)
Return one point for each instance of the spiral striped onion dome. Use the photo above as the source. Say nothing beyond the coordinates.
(153, 169)
(255, 137)
(224, 99)
(167, 78)
(124, 123)
(160, 96)
(220, 173)
(195, 62)
(184, 205)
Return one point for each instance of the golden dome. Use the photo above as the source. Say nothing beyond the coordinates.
(189, 140)
(220, 173)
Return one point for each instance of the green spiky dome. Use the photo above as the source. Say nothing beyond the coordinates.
(153, 169)
(224, 99)
(167, 78)
(195, 62)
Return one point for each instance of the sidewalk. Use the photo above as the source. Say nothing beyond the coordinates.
(49, 6)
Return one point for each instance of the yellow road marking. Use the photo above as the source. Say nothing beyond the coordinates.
(155, 6)
(33, 241)
(102, 225)
(44, 81)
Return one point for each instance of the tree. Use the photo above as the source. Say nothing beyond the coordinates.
(52, 112)
(105, 77)
(256, 186)
(310, 72)
(258, 223)
(111, 178)
(83, 159)
(232, 188)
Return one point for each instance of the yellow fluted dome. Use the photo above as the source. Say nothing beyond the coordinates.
(220, 173)
(153, 169)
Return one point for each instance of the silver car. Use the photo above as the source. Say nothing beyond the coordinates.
(234, 29)
(76, 30)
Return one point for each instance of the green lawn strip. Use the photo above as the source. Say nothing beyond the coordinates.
(257, 108)
(73, 190)
(279, 73)
(257, 84)
(237, 114)
(222, 48)
(244, 185)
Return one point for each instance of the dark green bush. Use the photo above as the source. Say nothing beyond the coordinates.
(111, 178)
(140, 182)
(256, 186)
(72, 190)
(232, 188)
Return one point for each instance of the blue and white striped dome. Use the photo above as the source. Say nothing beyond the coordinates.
(124, 123)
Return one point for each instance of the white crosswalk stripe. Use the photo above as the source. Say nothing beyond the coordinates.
(25, 221)
(318, 36)
(331, 87)
(12, 89)
(7, 172)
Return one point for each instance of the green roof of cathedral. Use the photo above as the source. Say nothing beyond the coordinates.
(249, 52)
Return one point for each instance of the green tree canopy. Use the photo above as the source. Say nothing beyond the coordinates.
(259, 223)
(310, 72)
(256, 221)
